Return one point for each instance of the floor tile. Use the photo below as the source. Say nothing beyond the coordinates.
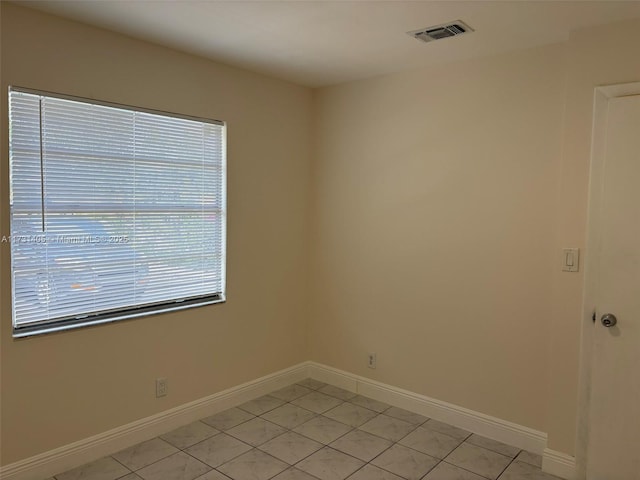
(388, 427)
(405, 462)
(328, 433)
(329, 464)
(253, 465)
(479, 460)
(317, 402)
(228, 419)
(337, 392)
(291, 392)
(447, 429)
(188, 435)
(351, 414)
(104, 469)
(289, 416)
(216, 450)
(406, 415)
(530, 458)
(256, 432)
(311, 383)
(322, 429)
(178, 466)
(261, 405)
(369, 403)
(430, 442)
(494, 446)
(445, 471)
(294, 474)
(361, 445)
(145, 453)
(291, 447)
(371, 472)
(524, 471)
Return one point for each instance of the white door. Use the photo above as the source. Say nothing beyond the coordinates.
(613, 450)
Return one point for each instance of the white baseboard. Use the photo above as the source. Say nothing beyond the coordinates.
(485, 425)
(559, 464)
(78, 453)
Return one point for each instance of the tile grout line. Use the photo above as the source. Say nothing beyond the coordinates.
(467, 470)
(118, 461)
(505, 468)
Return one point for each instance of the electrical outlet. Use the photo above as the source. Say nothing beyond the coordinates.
(162, 387)
(371, 360)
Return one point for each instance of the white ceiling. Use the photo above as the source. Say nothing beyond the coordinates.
(318, 43)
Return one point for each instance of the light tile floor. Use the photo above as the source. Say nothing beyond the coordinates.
(315, 431)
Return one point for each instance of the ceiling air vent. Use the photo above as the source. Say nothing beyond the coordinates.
(438, 32)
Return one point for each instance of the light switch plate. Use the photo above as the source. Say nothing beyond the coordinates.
(570, 259)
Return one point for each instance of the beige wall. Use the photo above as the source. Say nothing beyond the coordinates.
(434, 205)
(64, 387)
(442, 200)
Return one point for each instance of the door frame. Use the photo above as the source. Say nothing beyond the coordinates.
(602, 96)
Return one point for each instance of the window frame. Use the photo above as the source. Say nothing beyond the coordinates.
(132, 312)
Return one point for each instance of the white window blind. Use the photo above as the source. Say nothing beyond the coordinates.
(115, 212)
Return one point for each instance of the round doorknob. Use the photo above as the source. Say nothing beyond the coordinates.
(609, 320)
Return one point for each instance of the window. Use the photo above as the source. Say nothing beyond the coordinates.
(116, 212)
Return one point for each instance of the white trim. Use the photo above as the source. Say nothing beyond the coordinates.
(78, 453)
(476, 422)
(559, 464)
